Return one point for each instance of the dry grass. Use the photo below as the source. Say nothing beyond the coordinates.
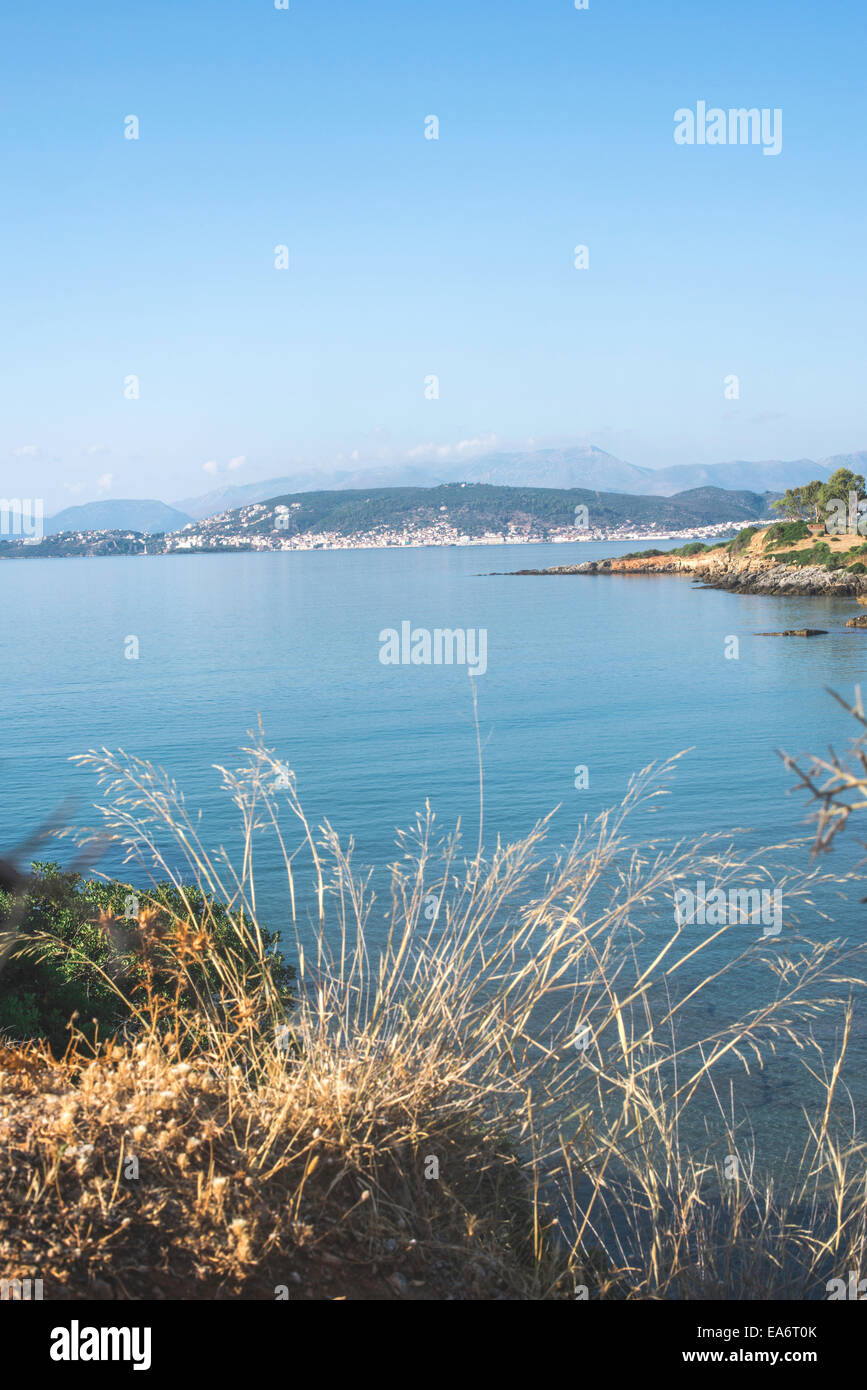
(485, 1093)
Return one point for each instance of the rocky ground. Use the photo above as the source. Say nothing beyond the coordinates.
(752, 571)
(127, 1176)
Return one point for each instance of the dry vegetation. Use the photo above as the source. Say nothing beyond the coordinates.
(482, 1094)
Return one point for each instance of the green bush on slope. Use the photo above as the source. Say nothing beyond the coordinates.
(42, 984)
(741, 540)
(786, 533)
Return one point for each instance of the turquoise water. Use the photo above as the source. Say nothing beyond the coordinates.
(611, 673)
(607, 672)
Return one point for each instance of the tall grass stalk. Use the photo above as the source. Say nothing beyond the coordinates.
(493, 1068)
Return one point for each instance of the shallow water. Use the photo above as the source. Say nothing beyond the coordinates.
(606, 672)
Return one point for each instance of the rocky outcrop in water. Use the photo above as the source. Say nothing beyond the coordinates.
(750, 572)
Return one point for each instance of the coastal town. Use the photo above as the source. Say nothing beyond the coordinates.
(269, 527)
(261, 527)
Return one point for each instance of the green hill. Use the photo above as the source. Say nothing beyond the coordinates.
(474, 508)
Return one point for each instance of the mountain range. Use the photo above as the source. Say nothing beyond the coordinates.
(580, 466)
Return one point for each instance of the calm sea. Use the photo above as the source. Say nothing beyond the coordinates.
(605, 673)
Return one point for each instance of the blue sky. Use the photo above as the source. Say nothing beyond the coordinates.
(411, 257)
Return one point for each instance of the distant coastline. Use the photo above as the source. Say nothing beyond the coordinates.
(92, 544)
(453, 514)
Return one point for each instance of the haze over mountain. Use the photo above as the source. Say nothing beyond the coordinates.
(582, 466)
(590, 467)
(230, 496)
(771, 475)
(118, 514)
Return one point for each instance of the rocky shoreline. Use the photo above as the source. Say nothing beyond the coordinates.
(747, 573)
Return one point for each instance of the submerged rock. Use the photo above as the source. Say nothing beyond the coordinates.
(797, 632)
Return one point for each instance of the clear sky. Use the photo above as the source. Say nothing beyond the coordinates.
(410, 257)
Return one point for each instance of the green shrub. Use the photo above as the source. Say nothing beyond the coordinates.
(742, 540)
(42, 986)
(786, 533)
(692, 548)
(819, 554)
(802, 558)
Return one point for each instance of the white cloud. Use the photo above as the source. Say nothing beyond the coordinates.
(477, 445)
(215, 468)
(104, 482)
(464, 447)
(27, 451)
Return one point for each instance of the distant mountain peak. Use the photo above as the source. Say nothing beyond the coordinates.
(571, 466)
(145, 515)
